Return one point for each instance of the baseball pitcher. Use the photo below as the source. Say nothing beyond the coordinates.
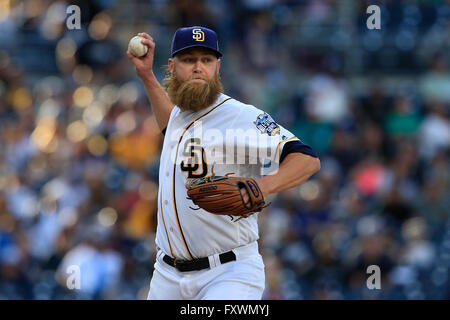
(220, 162)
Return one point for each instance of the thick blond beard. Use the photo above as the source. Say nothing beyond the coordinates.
(188, 95)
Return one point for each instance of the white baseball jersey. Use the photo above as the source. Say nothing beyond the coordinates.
(229, 137)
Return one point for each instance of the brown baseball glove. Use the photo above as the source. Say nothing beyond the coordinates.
(222, 195)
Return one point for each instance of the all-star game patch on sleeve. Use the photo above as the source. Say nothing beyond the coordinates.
(264, 138)
(288, 144)
(266, 124)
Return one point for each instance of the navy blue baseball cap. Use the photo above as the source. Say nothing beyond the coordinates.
(190, 37)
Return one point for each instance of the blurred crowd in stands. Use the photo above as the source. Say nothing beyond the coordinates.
(79, 146)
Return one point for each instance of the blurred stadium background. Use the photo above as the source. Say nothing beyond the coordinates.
(79, 147)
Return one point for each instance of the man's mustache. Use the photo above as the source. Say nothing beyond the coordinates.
(197, 77)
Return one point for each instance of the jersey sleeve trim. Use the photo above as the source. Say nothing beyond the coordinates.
(280, 144)
(296, 146)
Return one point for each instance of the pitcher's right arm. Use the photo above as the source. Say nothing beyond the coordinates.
(159, 100)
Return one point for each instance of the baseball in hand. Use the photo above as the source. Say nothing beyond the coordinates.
(136, 48)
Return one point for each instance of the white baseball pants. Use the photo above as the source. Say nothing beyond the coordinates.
(243, 279)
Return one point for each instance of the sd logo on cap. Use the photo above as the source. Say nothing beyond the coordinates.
(198, 35)
(195, 37)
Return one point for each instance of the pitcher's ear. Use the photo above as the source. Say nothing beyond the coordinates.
(171, 65)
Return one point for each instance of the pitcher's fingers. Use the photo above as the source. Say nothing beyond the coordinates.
(131, 57)
(245, 196)
(149, 43)
(145, 35)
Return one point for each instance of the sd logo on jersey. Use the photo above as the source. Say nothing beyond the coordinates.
(266, 124)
